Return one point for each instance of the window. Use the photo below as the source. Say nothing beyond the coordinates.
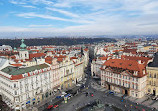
(150, 76)
(16, 99)
(133, 86)
(136, 86)
(15, 92)
(154, 83)
(136, 95)
(149, 90)
(154, 75)
(14, 85)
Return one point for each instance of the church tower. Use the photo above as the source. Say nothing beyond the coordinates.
(23, 52)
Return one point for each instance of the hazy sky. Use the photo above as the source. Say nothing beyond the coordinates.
(34, 18)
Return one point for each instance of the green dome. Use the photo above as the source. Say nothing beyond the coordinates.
(23, 46)
(14, 48)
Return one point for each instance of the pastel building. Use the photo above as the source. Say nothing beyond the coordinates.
(124, 76)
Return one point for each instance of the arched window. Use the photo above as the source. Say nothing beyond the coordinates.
(149, 82)
(15, 92)
(149, 90)
(150, 75)
(154, 75)
(154, 83)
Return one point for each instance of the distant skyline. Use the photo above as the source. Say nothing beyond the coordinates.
(46, 18)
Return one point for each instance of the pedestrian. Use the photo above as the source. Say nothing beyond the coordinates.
(131, 105)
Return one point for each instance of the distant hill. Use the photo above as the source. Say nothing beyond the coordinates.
(54, 41)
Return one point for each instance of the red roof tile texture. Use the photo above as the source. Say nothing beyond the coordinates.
(48, 60)
(131, 65)
(143, 59)
(36, 55)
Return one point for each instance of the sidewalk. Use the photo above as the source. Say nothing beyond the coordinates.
(155, 105)
(144, 100)
(36, 106)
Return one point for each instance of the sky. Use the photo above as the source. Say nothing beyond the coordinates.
(48, 18)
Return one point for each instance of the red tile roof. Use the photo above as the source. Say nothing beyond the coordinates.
(73, 58)
(103, 58)
(79, 64)
(59, 59)
(143, 59)
(60, 56)
(48, 60)
(130, 50)
(17, 65)
(86, 49)
(36, 55)
(126, 64)
(105, 50)
(53, 52)
(13, 57)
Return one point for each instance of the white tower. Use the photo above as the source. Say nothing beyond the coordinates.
(23, 53)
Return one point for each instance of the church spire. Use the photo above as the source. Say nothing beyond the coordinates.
(22, 46)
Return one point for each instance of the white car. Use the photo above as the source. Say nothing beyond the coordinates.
(63, 93)
(78, 85)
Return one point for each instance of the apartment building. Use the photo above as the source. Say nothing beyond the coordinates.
(124, 76)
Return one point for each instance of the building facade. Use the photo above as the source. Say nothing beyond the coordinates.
(124, 76)
(152, 80)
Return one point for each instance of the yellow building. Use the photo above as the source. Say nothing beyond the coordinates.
(152, 80)
(67, 71)
(147, 48)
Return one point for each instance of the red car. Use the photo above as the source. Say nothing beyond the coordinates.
(50, 106)
(55, 106)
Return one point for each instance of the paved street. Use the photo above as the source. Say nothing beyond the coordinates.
(99, 93)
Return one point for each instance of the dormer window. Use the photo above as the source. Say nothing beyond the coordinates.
(143, 71)
(130, 64)
(135, 73)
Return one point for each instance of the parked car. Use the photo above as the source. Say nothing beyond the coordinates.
(58, 97)
(153, 98)
(50, 106)
(78, 85)
(82, 86)
(111, 92)
(55, 106)
(156, 98)
(63, 93)
(91, 94)
(86, 93)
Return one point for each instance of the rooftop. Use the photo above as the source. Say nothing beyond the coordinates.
(15, 70)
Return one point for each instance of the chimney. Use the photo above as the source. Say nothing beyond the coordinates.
(139, 62)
